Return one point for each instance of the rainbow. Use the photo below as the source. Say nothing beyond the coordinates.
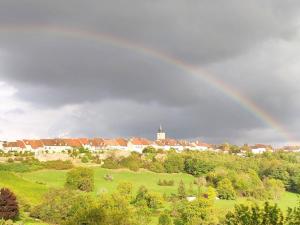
(119, 42)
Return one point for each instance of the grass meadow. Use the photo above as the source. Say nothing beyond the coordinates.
(30, 186)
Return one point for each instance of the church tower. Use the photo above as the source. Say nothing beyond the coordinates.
(161, 135)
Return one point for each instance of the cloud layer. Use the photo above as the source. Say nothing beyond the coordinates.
(93, 88)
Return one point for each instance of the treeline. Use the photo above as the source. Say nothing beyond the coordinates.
(262, 177)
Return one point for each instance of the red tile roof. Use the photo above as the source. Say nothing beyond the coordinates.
(140, 141)
(35, 144)
(96, 142)
(74, 143)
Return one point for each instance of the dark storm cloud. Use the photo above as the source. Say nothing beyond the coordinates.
(51, 70)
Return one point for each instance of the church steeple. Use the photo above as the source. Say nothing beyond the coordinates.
(161, 135)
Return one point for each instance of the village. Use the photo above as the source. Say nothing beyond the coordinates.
(134, 144)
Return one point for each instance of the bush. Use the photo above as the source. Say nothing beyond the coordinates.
(80, 178)
(165, 182)
(10, 160)
(111, 163)
(226, 190)
(174, 163)
(156, 167)
(59, 165)
(9, 208)
(165, 219)
(84, 159)
(59, 205)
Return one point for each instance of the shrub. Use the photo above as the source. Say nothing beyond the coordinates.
(165, 182)
(9, 208)
(80, 178)
(59, 165)
(108, 177)
(165, 219)
(58, 205)
(10, 160)
(84, 159)
(111, 163)
(226, 190)
(174, 163)
(156, 167)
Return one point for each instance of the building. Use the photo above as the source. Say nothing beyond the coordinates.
(14, 146)
(161, 135)
(259, 148)
(138, 144)
(35, 146)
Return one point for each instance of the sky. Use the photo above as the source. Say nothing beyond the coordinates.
(113, 68)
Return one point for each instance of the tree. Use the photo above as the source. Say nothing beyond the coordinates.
(250, 215)
(225, 189)
(275, 188)
(80, 178)
(197, 167)
(174, 163)
(125, 189)
(9, 208)
(181, 190)
(60, 205)
(165, 219)
(153, 200)
(200, 211)
(149, 149)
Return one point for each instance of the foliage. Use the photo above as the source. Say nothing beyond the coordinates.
(80, 178)
(181, 190)
(174, 163)
(9, 208)
(200, 211)
(250, 215)
(197, 167)
(225, 190)
(275, 188)
(165, 219)
(149, 149)
(59, 165)
(165, 182)
(153, 200)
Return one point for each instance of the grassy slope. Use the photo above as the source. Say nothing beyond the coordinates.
(54, 178)
(27, 191)
(31, 186)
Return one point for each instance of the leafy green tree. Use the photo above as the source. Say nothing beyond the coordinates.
(174, 163)
(58, 205)
(254, 215)
(181, 190)
(152, 199)
(149, 149)
(275, 188)
(80, 178)
(226, 190)
(165, 219)
(125, 189)
(200, 211)
(197, 167)
(293, 216)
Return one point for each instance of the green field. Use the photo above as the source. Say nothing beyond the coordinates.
(30, 187)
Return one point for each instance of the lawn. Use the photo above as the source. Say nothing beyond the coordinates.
(29, 187)
(54, 178)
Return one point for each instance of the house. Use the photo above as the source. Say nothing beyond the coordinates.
(168, 144)
(72, 143)
(14, 146)
(138, 144)
(259, 148)
(55, 145)
(200, 146)
(36, 146)
(96, 144)
(85, 142)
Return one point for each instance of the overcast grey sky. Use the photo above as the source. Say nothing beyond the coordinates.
(58, 85)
